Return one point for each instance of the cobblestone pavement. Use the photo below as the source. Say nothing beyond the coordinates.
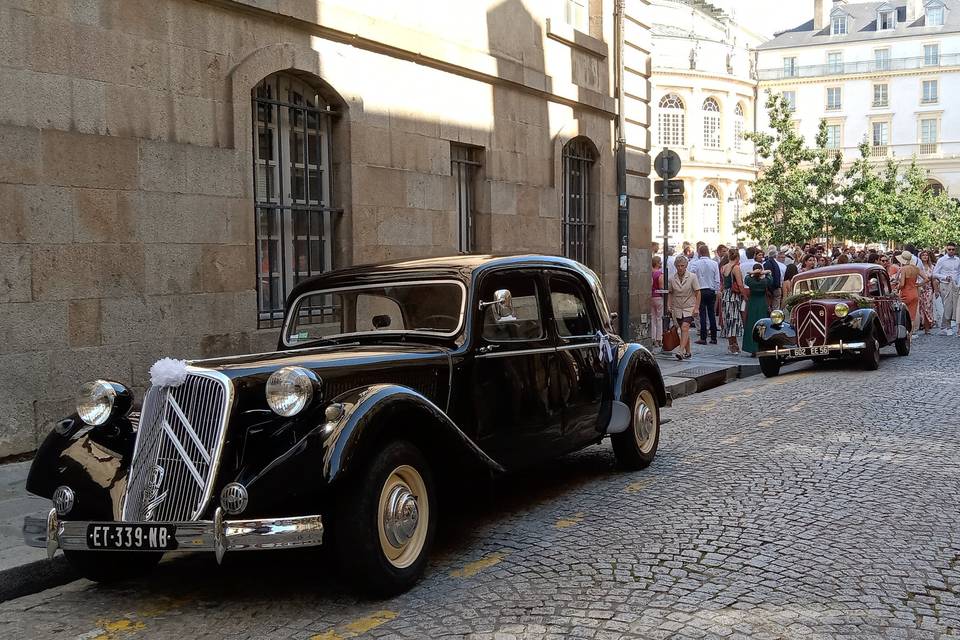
(822, 503)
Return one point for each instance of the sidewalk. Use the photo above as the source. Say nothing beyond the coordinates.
(710, 366)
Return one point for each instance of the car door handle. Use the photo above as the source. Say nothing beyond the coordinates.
(486, 349)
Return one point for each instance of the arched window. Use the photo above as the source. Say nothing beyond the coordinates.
(711, 124)
(579, 157)
(711, 210)
(672, 121)
(291, 168)
(739, 127)
(935, 187)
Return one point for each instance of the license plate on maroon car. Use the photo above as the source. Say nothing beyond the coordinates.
(132, 537)
(800, 352)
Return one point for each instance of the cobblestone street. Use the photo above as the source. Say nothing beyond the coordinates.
(823, 503)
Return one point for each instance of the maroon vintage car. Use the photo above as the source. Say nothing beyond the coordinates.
(847, 310)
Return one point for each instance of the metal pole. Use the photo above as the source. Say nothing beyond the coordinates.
(666, 253)
(623, 202)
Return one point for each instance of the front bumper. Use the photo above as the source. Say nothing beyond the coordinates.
(830, 349)
(217, 535)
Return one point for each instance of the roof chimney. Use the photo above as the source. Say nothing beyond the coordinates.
(821, 14)
(914, 10)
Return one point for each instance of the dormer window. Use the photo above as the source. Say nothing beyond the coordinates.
(886, 19)
(839, 25)
(935, 13)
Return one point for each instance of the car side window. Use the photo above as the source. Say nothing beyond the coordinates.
(524, 321)
(884, 285)
(873, 286)
(570, 309)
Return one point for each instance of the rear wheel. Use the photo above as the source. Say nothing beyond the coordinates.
(636, 447)
(770, 367)
(870, 358)
(384, 521)
(903, 344)
(112, 566)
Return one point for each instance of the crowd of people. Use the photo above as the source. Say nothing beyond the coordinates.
(723, 292)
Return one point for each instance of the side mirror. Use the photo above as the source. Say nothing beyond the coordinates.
(502, 304)
(613, 316)
(380, 322)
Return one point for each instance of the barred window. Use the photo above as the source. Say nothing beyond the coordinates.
(291, 170)
(672, 121)
(711, 124)
(739, 127)
(578, 224)
(464, 165)
(711, 209)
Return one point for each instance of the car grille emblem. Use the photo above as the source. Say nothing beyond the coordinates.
(151, 492)
(813, 327)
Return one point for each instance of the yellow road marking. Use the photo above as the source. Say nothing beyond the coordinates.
(114, 629)
(563, 523)
(473, 568)
(638, 486)
(358, 626)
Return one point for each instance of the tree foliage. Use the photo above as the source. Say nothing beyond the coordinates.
(803, 192)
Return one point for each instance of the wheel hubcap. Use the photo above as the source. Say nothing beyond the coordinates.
(400, 516)
(645, 422)
(403, 516)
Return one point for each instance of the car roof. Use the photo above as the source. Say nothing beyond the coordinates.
(460, 267)
(861, 268)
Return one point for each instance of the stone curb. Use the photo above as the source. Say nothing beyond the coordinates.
(708, 377)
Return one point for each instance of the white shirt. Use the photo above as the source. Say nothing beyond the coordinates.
(947, 267)
(708, 272)
(783, 269)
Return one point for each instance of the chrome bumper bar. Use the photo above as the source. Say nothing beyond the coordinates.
(217, 535)
(842, 347)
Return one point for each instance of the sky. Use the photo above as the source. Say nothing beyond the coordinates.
(768, 16)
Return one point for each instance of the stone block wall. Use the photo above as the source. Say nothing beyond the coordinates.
(126, 205)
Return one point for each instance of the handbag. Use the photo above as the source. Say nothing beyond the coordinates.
(671, 337)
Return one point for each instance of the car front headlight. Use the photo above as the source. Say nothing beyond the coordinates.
(290, 389)
(777, 316)
(95, 401)
(841, 310)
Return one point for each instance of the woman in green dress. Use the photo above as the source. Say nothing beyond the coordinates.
(756, 281)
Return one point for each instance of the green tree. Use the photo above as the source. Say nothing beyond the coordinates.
(795, 198)
(780, 194)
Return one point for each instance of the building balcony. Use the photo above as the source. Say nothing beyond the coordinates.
(879, 151)
(853, 68)
(928, 148)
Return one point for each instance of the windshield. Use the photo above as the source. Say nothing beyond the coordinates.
(432, 308)
(841, 283)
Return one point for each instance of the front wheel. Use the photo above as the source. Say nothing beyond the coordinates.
(636, 447)
(112, 566)
(384, 522)
(870, 358)
(770, 367)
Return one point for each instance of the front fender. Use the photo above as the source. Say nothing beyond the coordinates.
(384, 411)
(636, 363)
(769, 335)
(93, 461)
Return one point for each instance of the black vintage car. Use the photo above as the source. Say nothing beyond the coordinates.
(388, 382)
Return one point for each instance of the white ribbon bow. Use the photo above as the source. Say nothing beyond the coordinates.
(606, 349)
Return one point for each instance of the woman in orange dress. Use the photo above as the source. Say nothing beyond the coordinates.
(906, 283)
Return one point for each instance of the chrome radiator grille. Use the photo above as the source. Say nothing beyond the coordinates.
(177, 450)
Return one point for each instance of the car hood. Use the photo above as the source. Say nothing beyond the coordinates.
(332, 359)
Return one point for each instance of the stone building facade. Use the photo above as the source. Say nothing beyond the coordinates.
(704, 99)
(170, 168)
